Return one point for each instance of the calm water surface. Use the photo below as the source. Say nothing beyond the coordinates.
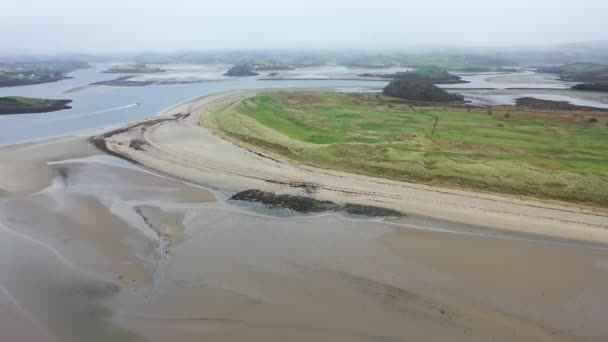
(95, 108)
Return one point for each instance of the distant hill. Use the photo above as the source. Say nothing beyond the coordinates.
(414, 90)
(579, 72)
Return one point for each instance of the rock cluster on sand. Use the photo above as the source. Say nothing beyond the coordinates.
(302, 204)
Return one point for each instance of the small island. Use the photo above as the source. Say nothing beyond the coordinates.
(133, 69)
(240, 70)
(24, 105)
(419, 91)
(603, 87)
(433, 75)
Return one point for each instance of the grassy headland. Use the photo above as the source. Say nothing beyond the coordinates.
(23, 105)
(561, 155)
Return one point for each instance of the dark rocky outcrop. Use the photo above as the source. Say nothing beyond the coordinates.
(302, 204)
(415, 90)
(240, 70)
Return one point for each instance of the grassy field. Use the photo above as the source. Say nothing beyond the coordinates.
(24, 101)
(551, 155)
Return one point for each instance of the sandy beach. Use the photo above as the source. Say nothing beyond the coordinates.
(180, 146)
(135, 240)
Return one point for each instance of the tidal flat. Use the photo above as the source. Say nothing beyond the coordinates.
(103, 249)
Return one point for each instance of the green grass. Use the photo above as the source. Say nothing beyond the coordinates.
(546, 155)
(26, 101)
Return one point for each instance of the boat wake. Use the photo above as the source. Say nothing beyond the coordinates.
(75, 116)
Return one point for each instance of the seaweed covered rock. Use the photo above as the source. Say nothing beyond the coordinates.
(302, 204)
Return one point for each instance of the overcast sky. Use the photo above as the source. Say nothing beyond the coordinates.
(118, 26)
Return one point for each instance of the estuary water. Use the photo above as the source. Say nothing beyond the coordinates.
(97, 107)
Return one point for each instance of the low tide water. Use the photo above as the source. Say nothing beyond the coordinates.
(99, 107)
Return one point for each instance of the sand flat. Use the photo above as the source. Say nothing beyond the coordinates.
(156, 256)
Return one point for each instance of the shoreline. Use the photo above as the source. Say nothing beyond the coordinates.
(167, 244)
(175, 144)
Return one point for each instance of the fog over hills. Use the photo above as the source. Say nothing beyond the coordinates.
(113, 26)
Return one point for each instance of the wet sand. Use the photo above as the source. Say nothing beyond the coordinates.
(95, 248)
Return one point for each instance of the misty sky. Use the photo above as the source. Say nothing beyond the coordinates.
(119, 26)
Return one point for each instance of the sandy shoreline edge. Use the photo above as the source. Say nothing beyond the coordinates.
(175, 144)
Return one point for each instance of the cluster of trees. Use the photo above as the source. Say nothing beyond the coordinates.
(415, 90)
(241, 70)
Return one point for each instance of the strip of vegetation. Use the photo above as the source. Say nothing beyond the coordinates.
(133, 69)
(534, 103)
(550, 154)
(23, 105)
